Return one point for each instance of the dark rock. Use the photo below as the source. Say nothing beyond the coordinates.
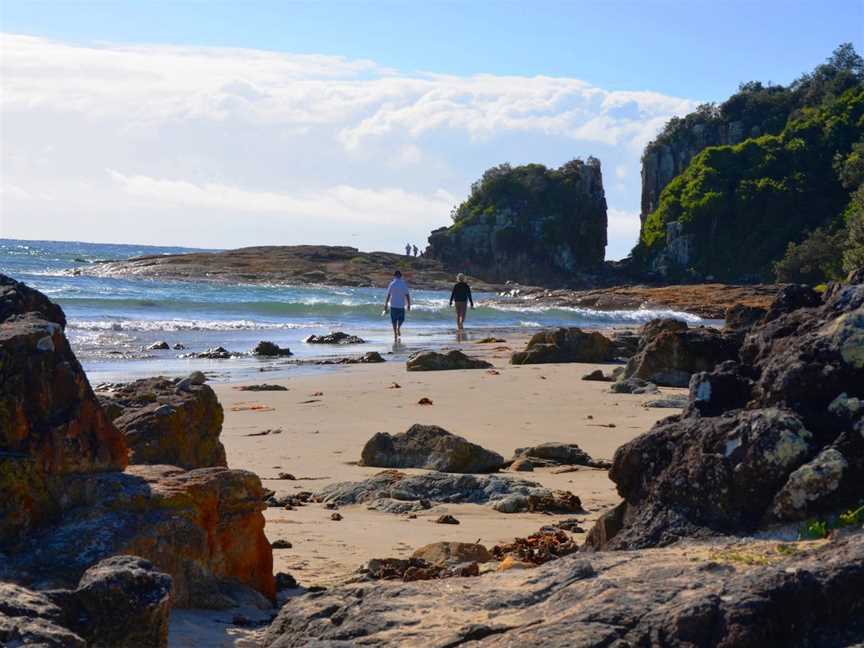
(417, 491)
(633, 386)
(262, 388)
(281, 544)
(270, 350)
(446, 519)
(565, 345)
(554, 453)
(670, 402)
(670, 353)
(791, 298)
(158, 346)
(429, 447)
(213, 353)
(125, 602)
(740, 318)
(285, 581)
(598, 375)
(433, 361)
(179, 347)
(29, 618)
(197, 378)
(775, 436)
(164, 424)
(593, 600)
(18, 299)
(337, 337)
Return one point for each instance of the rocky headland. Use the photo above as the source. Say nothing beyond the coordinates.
(288, 265)
(528, 224)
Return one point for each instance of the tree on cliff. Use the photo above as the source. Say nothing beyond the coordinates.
(734, 210)
(528, 223)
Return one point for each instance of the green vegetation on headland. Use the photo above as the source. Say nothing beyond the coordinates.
(528, 223)
(788, 201)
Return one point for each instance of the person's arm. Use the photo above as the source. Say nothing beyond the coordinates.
(408, 300)
(470, 297)
(452, 295)
(387, 300)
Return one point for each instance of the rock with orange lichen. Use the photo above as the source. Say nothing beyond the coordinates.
(51, 424)
(168, 421)
(205, 528)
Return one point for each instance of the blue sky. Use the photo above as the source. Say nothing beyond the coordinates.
(354, 122)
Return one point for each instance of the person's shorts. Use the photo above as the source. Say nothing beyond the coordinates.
(397, 315)
(461, 308)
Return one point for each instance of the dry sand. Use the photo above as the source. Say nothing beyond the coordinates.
(325, 419)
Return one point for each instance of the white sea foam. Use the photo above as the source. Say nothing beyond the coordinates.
(185, 325)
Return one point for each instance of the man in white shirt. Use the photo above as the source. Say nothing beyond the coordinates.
(398, 299)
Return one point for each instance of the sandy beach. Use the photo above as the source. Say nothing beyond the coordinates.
(325, 420)
(318, 427)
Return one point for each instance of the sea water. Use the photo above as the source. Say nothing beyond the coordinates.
(112, 320)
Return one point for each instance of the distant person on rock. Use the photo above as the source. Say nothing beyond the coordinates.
(415, 250)
(399, 300)
(461, 295)
(407, 249)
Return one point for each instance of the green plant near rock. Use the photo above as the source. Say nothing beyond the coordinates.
(815, 529)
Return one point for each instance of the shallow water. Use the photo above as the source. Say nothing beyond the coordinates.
(112, 320)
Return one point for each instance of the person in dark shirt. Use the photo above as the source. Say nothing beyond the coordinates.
(461, 295)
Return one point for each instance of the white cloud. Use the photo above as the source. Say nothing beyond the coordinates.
(291, 137)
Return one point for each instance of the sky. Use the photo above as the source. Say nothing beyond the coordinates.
(223, 124)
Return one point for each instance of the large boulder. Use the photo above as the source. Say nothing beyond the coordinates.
(690, 596)
(670, 353)
(173, 422)
(777, 436)
(566, 345)
(429, 447)
(337, 337)
(121, 602)
(270, 350)
(204, 528)
(51, 424)
(434, 361)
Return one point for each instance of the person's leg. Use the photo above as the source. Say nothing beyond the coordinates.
(460, 314)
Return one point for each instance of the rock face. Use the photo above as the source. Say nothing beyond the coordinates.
(203, 527)
(670, 352)
(287, 265)
(777, 436)
(566, 345)
(597, 600)
(51, 424)
(122, 602)
(434, 361)
(528, 224)
(429, 447)
(173, 422)
(67, 502)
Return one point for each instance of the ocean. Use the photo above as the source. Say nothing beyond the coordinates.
(111, 321)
